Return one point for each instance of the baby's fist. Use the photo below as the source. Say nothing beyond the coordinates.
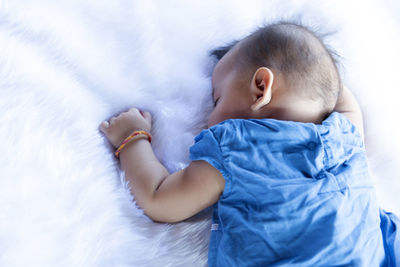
(124, 124)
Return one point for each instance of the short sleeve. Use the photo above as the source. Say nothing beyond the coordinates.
(207, 148)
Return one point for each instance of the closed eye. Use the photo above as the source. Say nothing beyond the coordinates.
(216, 101)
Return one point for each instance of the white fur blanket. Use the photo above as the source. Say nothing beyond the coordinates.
(67, 65)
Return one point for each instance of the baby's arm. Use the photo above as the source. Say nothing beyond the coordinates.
(348, 106)
(173, 197)
(164, 197)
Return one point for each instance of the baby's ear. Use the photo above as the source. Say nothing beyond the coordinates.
(261, 87)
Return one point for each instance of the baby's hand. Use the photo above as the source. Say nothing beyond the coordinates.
(124, 124)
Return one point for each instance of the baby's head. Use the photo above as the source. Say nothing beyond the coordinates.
(281, 71)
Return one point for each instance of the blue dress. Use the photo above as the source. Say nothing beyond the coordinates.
(296, 194)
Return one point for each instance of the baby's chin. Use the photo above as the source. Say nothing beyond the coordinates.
(211, 123)
(213, 120)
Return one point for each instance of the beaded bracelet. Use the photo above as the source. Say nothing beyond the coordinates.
(129, 138)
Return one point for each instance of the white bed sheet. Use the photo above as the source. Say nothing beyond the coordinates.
(67, 65)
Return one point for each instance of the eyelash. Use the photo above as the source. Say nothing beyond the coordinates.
(216, 101)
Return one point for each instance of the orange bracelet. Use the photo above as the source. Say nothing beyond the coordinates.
(129, 138)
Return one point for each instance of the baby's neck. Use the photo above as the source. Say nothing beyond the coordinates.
(301, 111)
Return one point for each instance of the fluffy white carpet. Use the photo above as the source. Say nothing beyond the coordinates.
(67, 65)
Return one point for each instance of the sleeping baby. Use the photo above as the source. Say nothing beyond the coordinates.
(282, 164)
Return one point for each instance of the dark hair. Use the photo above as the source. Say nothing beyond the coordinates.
(307, 64)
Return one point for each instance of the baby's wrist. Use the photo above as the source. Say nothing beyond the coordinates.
(133, 137)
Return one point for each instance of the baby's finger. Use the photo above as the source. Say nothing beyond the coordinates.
(133, 110)
(103, 126)
(147, 115)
